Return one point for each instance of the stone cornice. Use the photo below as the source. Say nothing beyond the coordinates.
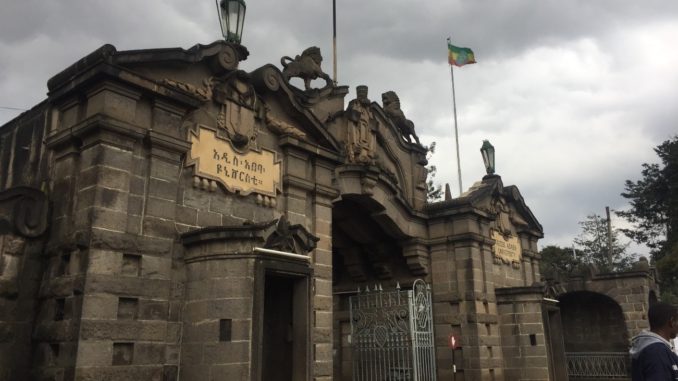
(101, 128)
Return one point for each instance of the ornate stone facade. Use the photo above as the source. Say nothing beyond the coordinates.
(164, 254)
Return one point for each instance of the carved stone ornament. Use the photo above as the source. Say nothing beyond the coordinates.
(236, 105)
(503, 216)
(23, 211)
(281, 127)
(507, 246)
(307, 67)
(361, 136)
(204, 93)
(291, 238)
(237, 101)
(391, 105)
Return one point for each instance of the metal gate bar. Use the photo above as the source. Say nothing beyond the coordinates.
(392, 334)
(604, 365)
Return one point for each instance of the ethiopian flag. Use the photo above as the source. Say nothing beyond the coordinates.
(460, 56)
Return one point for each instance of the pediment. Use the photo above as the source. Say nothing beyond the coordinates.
(205, 79)
(504, 204)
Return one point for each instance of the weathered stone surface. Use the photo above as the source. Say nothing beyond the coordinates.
(127, 330)
(115, 291)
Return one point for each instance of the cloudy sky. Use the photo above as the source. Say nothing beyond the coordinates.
(573, 94)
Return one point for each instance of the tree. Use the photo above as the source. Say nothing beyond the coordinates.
(556, 260)
(654, 201)
(434, 192)
(592, 249)
(654, 214)
(595, 246)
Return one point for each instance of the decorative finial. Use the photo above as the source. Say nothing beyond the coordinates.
(448, 192)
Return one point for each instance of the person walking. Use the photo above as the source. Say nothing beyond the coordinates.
(652, 358)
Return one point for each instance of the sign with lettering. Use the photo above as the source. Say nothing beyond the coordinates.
(507, 249)
(215, 158)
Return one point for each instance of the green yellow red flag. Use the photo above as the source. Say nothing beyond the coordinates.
(460, 56)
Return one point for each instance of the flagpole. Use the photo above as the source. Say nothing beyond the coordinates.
(334, 41)
(456, 131)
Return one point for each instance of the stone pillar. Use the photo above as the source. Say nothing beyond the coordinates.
(322, 289)
(523, 341)
(309, 203)
(219, 306)
(15, 317)
(115, 233)
(464, 302)
(446, 304)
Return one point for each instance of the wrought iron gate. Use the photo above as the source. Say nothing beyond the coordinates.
(603, 365)
(392, 335)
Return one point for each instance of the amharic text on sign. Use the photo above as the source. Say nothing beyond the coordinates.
(215, 158)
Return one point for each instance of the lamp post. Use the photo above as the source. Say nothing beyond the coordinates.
(231, 19)
(487, 150)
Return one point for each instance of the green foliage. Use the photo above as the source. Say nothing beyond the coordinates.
(556, 261)
(592, 249)
(434, 191)
(667, 267)
(654, 214)
(596, 249)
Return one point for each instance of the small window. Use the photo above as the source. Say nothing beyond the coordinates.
(53, 353)
(533, 339)
(123, 353)
(59, 309)
(225, 328)
(127, 308)
(64, 266)
(131, 265)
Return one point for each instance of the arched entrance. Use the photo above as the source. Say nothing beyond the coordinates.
(595, 336)
(367, 252)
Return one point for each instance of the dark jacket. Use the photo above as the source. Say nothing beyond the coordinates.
(652, 359)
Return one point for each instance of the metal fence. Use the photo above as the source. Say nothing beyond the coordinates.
(604, 365)
(392, 334)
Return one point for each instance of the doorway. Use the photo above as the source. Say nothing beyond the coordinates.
(284, 324)
(555, 347)
(278, 326)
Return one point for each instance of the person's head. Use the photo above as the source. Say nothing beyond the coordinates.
(663, 318)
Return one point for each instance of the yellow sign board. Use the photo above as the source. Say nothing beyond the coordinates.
(506, 249)
(215, 158)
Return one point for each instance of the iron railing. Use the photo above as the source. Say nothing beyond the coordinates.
(607, 365)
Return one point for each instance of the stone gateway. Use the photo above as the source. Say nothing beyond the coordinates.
(165, 215)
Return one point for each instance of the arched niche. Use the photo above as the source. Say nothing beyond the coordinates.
(592, 322)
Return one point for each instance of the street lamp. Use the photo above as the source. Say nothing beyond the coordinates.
(487, 150)
(231, 19)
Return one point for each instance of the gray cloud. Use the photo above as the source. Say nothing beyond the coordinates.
(573, 94)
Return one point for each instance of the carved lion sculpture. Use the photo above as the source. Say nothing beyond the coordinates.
(392, 109)
(306, 66)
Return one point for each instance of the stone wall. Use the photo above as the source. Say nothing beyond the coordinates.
(23, 221)
(593, 322)
(465, 303)
(118, 291)
(629, 294)
(112, 299)
(523, 339)
(519, 274)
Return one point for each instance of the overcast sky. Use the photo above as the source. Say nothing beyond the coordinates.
(573, 94)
